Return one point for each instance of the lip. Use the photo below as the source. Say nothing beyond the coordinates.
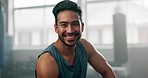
(70, 38)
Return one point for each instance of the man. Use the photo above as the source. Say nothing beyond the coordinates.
(68, 56)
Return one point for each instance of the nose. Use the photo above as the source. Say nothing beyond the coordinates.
(70, 29)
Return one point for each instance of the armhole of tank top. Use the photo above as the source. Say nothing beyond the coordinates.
(46, 50)
(44, 53)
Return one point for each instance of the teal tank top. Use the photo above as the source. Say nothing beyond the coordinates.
(78, 70)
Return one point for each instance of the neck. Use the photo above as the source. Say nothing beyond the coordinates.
(63, 49)
(68, 53)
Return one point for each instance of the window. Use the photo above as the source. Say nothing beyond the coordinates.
(33, 21)
(100, 21)
(146, 3)
(24, 38)
(143, 37)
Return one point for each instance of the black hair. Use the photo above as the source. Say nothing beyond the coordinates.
(66, 5)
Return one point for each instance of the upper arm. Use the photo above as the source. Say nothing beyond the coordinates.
(97, 60)
(46, 67)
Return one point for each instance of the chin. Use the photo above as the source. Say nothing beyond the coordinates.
(70, 44)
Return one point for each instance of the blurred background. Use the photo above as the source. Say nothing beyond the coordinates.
(117, 28)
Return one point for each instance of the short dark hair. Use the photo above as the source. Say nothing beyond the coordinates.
(66, 5)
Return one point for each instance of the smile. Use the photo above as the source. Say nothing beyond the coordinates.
(70, 36)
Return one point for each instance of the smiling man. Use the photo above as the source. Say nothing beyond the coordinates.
(69, 55)
(69, 28)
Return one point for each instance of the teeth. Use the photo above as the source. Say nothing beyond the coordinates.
(70, 36)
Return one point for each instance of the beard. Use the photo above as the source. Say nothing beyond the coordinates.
(77, 37)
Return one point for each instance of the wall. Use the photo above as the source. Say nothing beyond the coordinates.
(138, 62)
(136, 66)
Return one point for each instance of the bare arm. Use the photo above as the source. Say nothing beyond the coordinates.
(46, 67)
(97, 61)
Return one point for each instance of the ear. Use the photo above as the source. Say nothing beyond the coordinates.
(55, 28)
(82, 26)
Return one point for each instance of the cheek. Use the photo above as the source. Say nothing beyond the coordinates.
(58, 30)
(61, 31)
(80, 29)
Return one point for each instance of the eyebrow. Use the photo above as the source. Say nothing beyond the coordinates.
(67, 22)
(63, 22)
(75, 21)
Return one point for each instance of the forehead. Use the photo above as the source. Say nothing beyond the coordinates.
(68, 15)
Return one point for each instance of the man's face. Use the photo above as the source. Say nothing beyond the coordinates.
(69, 27)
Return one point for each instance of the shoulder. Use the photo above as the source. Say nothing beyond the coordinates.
(88, 46)
(46, 66)
(45, 58)
(84, 42)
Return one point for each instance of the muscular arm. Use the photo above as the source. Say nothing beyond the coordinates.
(46, 67)
(97, 61)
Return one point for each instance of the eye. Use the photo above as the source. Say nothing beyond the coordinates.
(63, 25)
(75, 24)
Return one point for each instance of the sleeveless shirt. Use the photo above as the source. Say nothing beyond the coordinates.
(77, 70)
